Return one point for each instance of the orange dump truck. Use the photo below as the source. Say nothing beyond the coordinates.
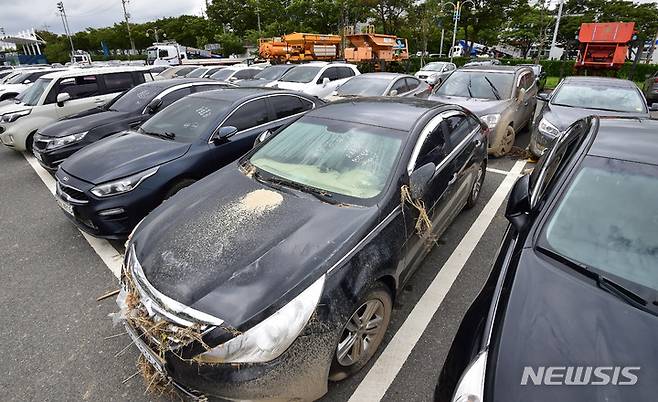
(604, 45)
(369, 46)
(300, 47)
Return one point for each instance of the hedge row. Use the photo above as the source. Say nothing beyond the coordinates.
(554, 68)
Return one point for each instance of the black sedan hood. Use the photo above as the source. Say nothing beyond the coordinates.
(564, 116)
(232, 247)
(122, 155)
(76, 125)
(556, 318)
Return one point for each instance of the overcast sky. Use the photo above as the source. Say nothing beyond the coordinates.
(17, 15)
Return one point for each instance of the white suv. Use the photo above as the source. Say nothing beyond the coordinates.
(61, 94)
(317, 78)
(22, 81)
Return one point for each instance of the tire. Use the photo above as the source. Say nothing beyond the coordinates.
(29, 143)
(504, 144)
(477, 186)
(376, 305)
(178, 186)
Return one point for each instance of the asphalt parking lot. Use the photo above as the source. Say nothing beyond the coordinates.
(59, 344)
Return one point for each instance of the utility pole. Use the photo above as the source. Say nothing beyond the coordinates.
(127, 17)
(65, 22)
(557, 27)
(443, 31)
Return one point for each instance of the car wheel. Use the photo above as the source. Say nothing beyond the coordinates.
(29, 143)
(362, 334)
(477, 186)
(505, 143)
(178, 186)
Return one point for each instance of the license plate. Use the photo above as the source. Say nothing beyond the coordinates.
(151, 357)
(68, 208)
(38, 156)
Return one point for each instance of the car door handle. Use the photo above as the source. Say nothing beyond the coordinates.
(453, 179)
(478, 143)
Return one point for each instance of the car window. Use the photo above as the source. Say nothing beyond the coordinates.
(250, 114)
(118, 82)
(552, 163)
(457, 128)
(526, 81)
(331, 73)
(345, 72)
(287, 105)
(433, 149)
(400, 86)
(174, 96)
(135, 99)
(246, 73)
(78, 87)
(412, 83)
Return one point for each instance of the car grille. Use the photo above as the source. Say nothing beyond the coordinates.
(74, 195)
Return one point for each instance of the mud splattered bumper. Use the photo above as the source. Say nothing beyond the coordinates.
(298, 374)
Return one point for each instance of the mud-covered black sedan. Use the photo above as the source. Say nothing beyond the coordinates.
(570, 310)
(286, 264)
(58, 141)
(109, 186)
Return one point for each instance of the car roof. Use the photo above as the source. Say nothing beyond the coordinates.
(240, 93)
(382, 75)
(395, 113)
(172, 82)
(495, 68)
(76, 72)
(600, 81)
(630, 139)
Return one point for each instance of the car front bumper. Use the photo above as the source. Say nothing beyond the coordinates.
(51, 159)
(92, 214)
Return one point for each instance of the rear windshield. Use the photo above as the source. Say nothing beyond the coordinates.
(610, 98)
(608, 220)
(223, 75)
(364, 85)
(135, 99)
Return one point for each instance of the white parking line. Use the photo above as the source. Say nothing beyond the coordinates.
(499, 171)
(110, 256)
(385, 369)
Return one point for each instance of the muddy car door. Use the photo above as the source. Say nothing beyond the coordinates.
(526, 90)
(462, 132)
(431, 148)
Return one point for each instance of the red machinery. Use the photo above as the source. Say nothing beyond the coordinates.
(604, 45)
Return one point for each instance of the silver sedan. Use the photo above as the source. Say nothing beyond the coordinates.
(381, 84)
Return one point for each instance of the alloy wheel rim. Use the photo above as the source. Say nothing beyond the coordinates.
(361, 331)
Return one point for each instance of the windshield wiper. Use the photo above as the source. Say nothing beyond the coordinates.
(604, 283)
(493, 88)
(468, 88)
(166, 134)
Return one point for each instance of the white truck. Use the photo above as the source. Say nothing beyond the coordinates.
(173, 54)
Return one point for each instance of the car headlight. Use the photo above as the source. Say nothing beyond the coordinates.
(491, 120)
(471, 386)
(123, 185)
(270, 338)
(12, 117)
(548, 129)
(63, 141)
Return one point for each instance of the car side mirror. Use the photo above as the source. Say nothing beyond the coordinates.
(542, 97)
(154, 105)
(420, 179)
(518, 206)
(224, 133)
(394, 92)
(325, 81)
(62, 98)
(262, 137)
(654, 107)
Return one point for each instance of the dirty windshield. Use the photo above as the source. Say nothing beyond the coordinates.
(346, 158)
(623, 243)
(477, 84)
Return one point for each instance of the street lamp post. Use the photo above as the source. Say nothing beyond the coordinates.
(155, 31)
(457, 10)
